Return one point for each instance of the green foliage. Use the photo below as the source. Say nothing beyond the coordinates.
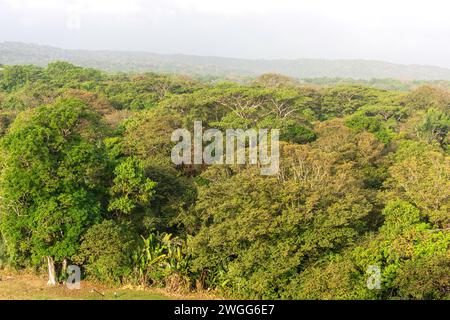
(435, 127)
(3, 254)
(174, 195)
(65, 74)
(364, 181)
(344, 100)
(105, 252)
(158, 258)
(130, 189)
(426, 97)
(50, 181)
(291, 130)
(261, 232)
(5, 121)
(147, 137)
(425, 277)
(379, 120)
(421, 175)
(14, 77)
(273, 80)
(297, 134)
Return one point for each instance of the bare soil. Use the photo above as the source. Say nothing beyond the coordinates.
(23, 286)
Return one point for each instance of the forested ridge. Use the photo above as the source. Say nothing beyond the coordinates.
(86, 178)
(220, 67)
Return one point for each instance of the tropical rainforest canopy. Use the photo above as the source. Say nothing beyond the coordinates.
(364, 181)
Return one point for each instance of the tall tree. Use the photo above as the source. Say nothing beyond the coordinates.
(52, 169)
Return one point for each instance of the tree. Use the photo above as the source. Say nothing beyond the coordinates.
(435, 127)
(420, 174)
(344, 100)
(53, 166)
(371, 124)
(412, 260)
(256, 233)
(147, 137)
(131, 190)
(426, 97)
(274, 80)
(14, 77)
(65, 74)
(364, 178)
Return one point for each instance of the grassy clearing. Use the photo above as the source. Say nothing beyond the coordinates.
(15, 286)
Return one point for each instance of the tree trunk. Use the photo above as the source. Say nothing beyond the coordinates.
(51, 272)
(64, 267)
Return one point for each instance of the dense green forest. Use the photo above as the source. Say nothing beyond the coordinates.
(86, 178)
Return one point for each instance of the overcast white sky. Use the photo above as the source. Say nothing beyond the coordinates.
(404, 31)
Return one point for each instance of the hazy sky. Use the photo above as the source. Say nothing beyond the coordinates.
(404, 31)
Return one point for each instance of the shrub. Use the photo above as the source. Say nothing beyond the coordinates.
(105, 252)
(3, 254)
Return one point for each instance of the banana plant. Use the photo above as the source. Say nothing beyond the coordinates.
(160, 255)
(149, 256)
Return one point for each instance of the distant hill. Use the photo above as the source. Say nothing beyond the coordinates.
(20, 53)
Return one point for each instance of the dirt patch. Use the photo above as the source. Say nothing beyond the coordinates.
(25, 286)
(20, 286)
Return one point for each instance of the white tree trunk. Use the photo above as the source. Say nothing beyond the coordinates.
(64, 267)
(51, 272)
